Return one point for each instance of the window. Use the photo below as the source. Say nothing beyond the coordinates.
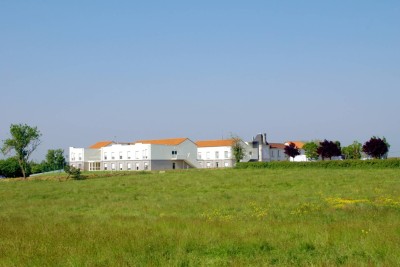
(272, 153)
(136, 154)
(226, 154)
(174, 154)
(217, 164)
(129, 167)
(217, 155)
(120, 155)
(128, 155)
(94, 166)
(112, 155)
(80, 156)
(120, 167)
(199, 155)
(278, 153)
(208, 164)
(250, 153)
(105, 166)
(226, 164)
(113, 166)
(146, 166)
(137, 166)
(145, 153)
(72, 156)
(208, 155)
(105, 155)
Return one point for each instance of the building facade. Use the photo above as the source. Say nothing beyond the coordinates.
(173, 153)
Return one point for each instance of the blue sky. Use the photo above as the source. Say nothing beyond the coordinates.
(85, 71)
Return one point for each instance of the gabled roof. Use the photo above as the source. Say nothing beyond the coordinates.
(100, 144)
(298, 144)
(167, 142)
(277, 145)
(215, 143)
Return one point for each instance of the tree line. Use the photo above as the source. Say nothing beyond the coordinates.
(375, 147)
(23, 142)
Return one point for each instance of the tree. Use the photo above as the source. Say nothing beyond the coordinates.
(238, 150)
(352, 151)
(310, 149)
(10, 168)
(55, 159)
(24, 140)
(291, 150)
(329, 149)
(376, 147)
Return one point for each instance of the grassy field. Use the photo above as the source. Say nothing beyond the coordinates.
(204, 218)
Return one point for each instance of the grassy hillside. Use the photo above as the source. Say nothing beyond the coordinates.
(204, 217)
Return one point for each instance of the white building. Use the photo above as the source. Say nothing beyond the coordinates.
(174, 153)
(162, 154)
(87, 158)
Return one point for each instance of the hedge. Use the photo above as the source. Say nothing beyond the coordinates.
(327, 164)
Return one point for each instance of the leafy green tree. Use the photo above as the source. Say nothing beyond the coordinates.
(329, 149)
(310, 149)
(55, 159)
(10, 168)
(238, 150)
(24, 140)
(376, 147)
(291, 150)
(352, 151)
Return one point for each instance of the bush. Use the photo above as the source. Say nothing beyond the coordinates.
(75, 173)
(10, 168)
(327, 164)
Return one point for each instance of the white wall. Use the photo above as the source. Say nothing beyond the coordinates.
(76, 154)
(210, 151)
(136, 152)
(187, 151)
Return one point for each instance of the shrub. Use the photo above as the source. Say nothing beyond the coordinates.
(10, 168)
(360, 164)
(75, 173)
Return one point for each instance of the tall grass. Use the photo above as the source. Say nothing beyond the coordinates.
(204, 218)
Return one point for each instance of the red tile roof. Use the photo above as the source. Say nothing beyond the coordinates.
(277, 145)
(168, 142)
(100, 144)
(298, 144)
(215, 143)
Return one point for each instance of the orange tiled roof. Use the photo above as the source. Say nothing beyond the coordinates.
(100, 144)
(298, 144)
(211, 143)
(168, 142)
(277, 145)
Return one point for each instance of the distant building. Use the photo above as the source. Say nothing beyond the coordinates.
(174, 153)
(163, 154)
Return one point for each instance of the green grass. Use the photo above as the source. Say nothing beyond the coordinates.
(296, 217)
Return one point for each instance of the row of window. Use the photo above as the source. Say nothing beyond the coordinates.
(120, 166)
(73, 158)
(216, 154)
(138, 155)
(278, 153)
